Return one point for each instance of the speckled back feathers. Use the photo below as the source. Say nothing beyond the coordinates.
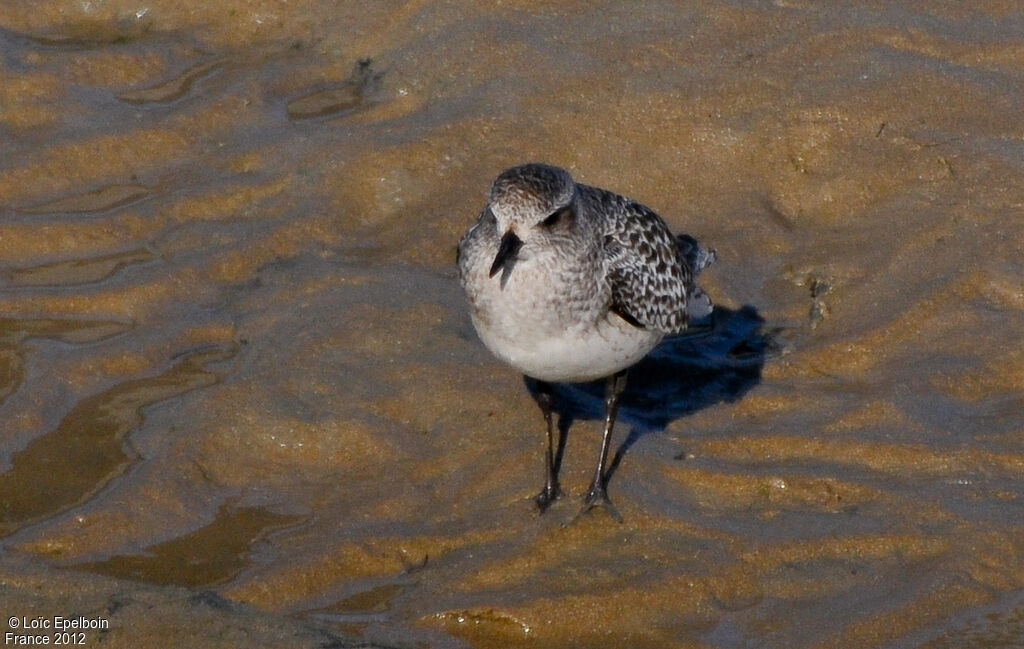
(648, 273)
(651, 281)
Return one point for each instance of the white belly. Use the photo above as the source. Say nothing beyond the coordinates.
(556, 326)
(583, 353)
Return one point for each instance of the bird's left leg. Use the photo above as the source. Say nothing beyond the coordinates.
(596, 494)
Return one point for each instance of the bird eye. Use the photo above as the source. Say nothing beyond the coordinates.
(556, 217)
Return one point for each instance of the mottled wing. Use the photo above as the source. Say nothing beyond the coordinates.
(649, 279)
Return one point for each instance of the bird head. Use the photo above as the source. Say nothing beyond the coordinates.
(531, 203)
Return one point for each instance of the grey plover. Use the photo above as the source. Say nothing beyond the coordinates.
(572, 283)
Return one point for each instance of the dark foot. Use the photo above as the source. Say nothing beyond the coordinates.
(596, 496)
(547, 496)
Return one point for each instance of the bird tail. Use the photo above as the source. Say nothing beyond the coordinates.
(698, 304)
(696, 258)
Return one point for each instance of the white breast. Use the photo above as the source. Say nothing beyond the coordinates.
(555, 328)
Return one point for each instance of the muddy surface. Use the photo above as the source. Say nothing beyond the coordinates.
(241, 402)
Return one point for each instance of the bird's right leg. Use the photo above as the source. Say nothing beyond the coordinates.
(551, 491)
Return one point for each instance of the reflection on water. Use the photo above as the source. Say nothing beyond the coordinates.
(349, 95)
(62, 467)
(84, 271)
(172, 89)
(234, 355)
(206, 557)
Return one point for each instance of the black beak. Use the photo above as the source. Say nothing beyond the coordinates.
(507, 251)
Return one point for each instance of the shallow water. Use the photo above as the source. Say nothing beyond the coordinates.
(239, 385)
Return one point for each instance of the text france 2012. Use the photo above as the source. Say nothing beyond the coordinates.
(54, 630)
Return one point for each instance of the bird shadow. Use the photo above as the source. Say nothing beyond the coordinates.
(716, 361)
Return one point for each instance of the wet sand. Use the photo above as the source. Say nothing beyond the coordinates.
(242, 402)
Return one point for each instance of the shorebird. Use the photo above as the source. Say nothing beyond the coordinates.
(572, 283)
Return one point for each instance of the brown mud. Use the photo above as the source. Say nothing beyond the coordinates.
(241, 402)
